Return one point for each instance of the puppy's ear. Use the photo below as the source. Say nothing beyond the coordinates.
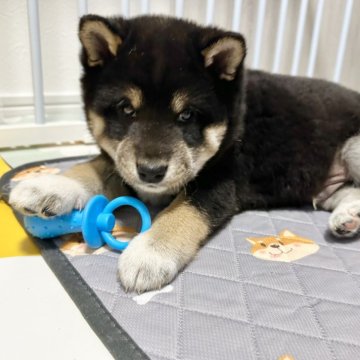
(287, 233)
(225, 54)
(99, 39)
(251, 240)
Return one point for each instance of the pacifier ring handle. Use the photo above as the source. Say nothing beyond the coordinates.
(120, 202)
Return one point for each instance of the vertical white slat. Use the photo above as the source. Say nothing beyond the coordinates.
(145, 6)
(82, 7)
(280, 35)
(236, 15)
(125, 8)
(299, 36)
(179, 8)
(315, 38)
(210, 8)
(259, 30)
(36, 66)
(343, 39)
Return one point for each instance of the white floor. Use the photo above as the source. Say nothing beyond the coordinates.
(38, 320)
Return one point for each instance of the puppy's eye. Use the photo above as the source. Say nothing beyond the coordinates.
(186, 115)
(125, 107)
(262, 244)
(129, 110)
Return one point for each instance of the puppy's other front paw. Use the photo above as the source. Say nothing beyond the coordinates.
(145, 265)
(48, 195)
(345, 220)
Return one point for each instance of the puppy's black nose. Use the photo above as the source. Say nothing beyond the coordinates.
(151, 174)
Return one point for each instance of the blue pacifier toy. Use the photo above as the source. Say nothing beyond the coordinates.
(95, 222)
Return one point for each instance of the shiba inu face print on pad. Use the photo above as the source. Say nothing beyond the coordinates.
(285, 247)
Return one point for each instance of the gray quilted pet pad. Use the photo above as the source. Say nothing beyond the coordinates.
(271, 285)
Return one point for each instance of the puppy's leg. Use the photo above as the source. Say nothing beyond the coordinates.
(154, 258)
(350, 154)
(50, 195)
(345, 218)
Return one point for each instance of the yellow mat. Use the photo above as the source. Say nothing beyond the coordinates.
(13, 239)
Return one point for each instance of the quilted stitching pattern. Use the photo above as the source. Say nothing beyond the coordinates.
(228, 304)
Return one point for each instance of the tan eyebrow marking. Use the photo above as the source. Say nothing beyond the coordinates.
(135, 95)
(179, 101)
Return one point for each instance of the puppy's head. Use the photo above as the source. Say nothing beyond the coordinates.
(162, 96)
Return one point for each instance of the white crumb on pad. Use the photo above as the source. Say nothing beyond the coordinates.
(146, 297)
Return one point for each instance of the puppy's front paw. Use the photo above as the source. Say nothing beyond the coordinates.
(345, 220)
(145, 265)
(48, 195)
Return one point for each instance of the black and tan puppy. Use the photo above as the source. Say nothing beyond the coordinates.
(179, 121)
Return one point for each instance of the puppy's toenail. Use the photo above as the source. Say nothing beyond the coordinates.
(341, 231)
(30, 211)
(47, 212)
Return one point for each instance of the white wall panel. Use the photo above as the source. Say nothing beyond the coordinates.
(15, 69)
